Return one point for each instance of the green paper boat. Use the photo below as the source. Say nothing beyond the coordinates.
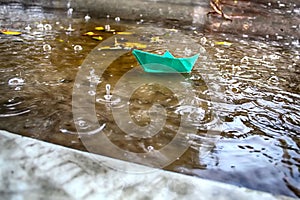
(166, 63)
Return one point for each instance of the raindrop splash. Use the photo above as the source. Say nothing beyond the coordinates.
(108, 96)
(16, 81)
(47, 27)
(70, 12)
(78, 48)
(87, 18)
(47, 48)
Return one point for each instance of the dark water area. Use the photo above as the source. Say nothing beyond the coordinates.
(246, 107)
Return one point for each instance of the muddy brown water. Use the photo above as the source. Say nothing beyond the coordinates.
(249, 81)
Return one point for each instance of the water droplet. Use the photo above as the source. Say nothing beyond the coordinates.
(47, 27)
(108, 96)
(47, 47)
(150, 148)
(16, 81)
(87, 18)
(117, 19)
(78, 48)
(70, 12)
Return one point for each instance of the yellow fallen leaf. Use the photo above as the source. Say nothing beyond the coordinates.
(99, 28)
(98, 38)
(11, 32)
(111, 30)
(223, 43)
(135, 45)
(124, 33)
(156, 39)
(89, 33)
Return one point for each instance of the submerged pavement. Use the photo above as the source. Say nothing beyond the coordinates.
(32, 169)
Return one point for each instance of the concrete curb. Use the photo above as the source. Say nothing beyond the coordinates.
(32, 169)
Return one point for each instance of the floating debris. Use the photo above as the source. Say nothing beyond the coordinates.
(7, 32)
(99, 38)
(124, 33)
(156, 40)
(99, 28)
(117, 19)
(90, 33)
(135, 45)
(223, 43)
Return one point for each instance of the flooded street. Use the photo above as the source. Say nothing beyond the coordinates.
(245, 106)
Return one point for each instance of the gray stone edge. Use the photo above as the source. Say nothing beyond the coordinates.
(33, 169)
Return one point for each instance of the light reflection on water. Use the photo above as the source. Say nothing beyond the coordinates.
(255, 84)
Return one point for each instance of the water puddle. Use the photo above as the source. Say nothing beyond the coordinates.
(240, 104)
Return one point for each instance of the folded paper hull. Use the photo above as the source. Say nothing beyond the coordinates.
(167, 63)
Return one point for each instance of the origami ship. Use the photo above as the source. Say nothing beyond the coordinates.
(166, 63)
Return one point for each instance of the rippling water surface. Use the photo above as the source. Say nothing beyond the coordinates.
(246, 106)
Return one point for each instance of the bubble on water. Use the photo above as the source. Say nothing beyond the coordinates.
(47, 27)
(70, 12)
(47, 47)
(16, 81)
(117, 19)
(150, 148)
(78, 48)
(87, 18)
